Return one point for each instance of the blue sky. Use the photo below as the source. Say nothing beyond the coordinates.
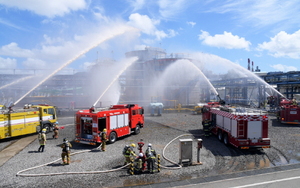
(39, 34)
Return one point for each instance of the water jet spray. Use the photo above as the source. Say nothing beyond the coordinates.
(221, 102)
(17, 81)
(113, 81)
(214, 89)
(73, 59)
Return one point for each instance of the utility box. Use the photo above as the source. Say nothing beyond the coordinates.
(186, 151)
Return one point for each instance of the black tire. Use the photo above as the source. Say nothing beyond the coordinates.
(220, 136)
(112, 137)
(226, 139)
(47, 127)
(137, 130)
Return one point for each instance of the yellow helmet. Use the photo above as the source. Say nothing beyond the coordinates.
(44, 130)
(132, 145)
(104, 130)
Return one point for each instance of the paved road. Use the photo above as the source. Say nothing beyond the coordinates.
(280, 176)
(15, 148)
(286, 178)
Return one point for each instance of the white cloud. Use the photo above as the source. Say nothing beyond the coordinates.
(259, 13)
(88, 65)
(49, 40)
(283, 68)
(168, 8)
(46, 8)
(191, 23)
(14, 50)
(8, 63)
(99, 13)
(137, 4)
(56, 51)
(148, 26)
(226, 40)
(34, 63)
(172, 33)
(7, 23)
(283, 45)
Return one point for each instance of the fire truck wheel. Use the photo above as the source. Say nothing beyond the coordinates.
(112, 137)
(220, 136)
(137, 130)
(47, 127)
(225, 139)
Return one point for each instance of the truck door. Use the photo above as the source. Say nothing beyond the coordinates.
(101, 123)
(254, 130)
(52, 111)
(48, 114)
(213, 120)
(86, 127)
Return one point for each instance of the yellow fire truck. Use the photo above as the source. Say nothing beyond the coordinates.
(30, 119)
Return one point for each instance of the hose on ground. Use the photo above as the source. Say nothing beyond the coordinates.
(96, 172)
(63, 173)
(163, 154)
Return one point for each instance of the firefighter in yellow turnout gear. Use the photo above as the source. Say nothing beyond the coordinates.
(66, 150)
(151, 156)
(42, 140)
(103, 136)
(55, 130)
(206, 128)
(129, 153)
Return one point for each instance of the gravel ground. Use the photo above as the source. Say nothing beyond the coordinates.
(216, 157)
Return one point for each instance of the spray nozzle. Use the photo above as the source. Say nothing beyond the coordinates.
(221, 102)
(92, 109)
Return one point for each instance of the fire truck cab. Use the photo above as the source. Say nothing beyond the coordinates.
(118, 120)
(243, 128)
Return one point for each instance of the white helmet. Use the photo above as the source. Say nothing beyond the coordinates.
(149, 145)
(141, 155)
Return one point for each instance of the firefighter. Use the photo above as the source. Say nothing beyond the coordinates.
(139, 164)
(129, 153)
(150, 156)
(294, 102)
(278, 115)
(103, 137)
(66, 150)
(55, 130)
(206, 128)
(42, 140)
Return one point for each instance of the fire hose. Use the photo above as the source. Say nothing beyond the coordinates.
(163, 154)
(63, 173)
(96, 172)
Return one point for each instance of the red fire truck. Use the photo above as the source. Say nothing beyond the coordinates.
(118, 120)
(243, 128)
(289, 112)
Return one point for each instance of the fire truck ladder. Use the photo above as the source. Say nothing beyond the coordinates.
(241, 129)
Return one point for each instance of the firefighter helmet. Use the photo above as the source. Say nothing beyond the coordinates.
(132, 145)
(44, 130)
(104, 130)
(141, 155)
(149, 145)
